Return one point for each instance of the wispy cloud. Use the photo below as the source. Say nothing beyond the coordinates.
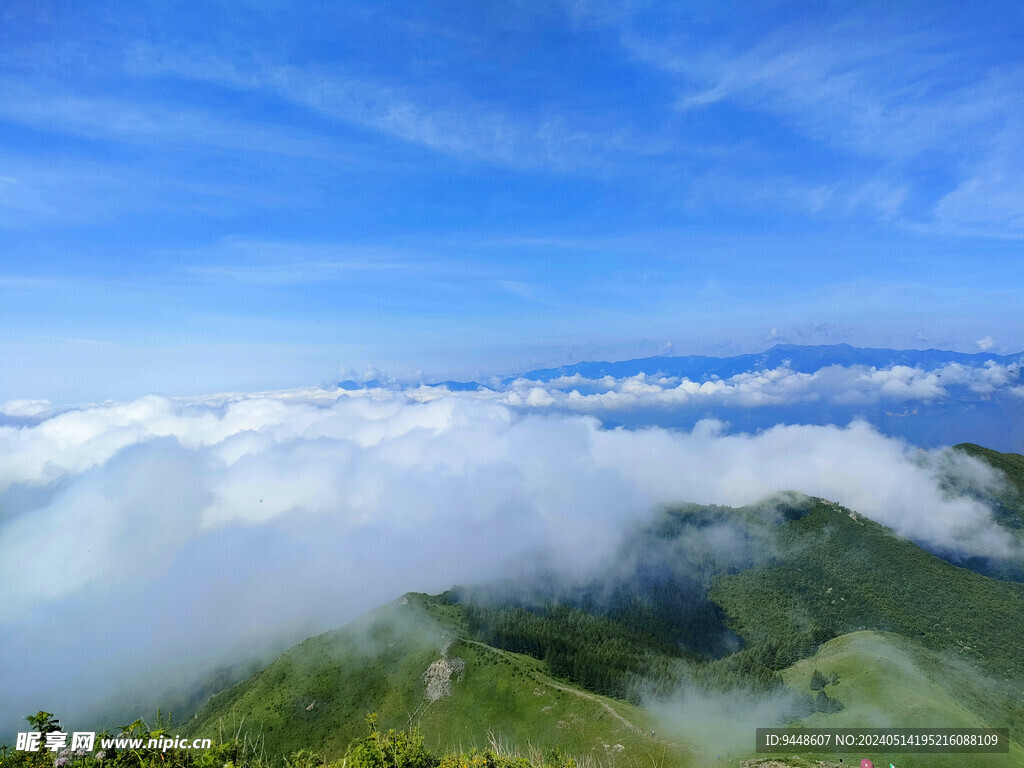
(249, 261)
(426, 115)
(72, 191)
(911, 134)
(49, 107)
(879, 89)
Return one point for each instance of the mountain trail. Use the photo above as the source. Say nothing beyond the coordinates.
(551, 684)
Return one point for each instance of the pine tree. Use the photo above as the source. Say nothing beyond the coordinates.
(823, 703)
(817, 681)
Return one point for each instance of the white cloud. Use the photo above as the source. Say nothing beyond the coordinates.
(844, 385)
(985, 344)
(27, 408)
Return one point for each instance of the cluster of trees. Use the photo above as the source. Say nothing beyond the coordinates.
(616, 658)
(595, 652)
(819, 681)
(825, 703)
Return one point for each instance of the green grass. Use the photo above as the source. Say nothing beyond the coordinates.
(370, 665)
(890, 681)
(376, 665)
(511, 697)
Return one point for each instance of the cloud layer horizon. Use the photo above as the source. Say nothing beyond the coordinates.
(175, 534)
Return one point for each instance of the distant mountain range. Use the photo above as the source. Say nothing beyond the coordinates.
(801, 359)
(798, 358)
(960, 408)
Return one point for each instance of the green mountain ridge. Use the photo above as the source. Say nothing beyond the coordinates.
(517, 670)
(1008, 502)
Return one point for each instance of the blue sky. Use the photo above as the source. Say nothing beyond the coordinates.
(220, 196)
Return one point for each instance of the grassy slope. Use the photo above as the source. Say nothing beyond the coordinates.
(365, 666)
(376, 665)
(890, 681)
(510, 696)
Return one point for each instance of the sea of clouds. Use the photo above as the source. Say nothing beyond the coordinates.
(842, 385)
(143, 542)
